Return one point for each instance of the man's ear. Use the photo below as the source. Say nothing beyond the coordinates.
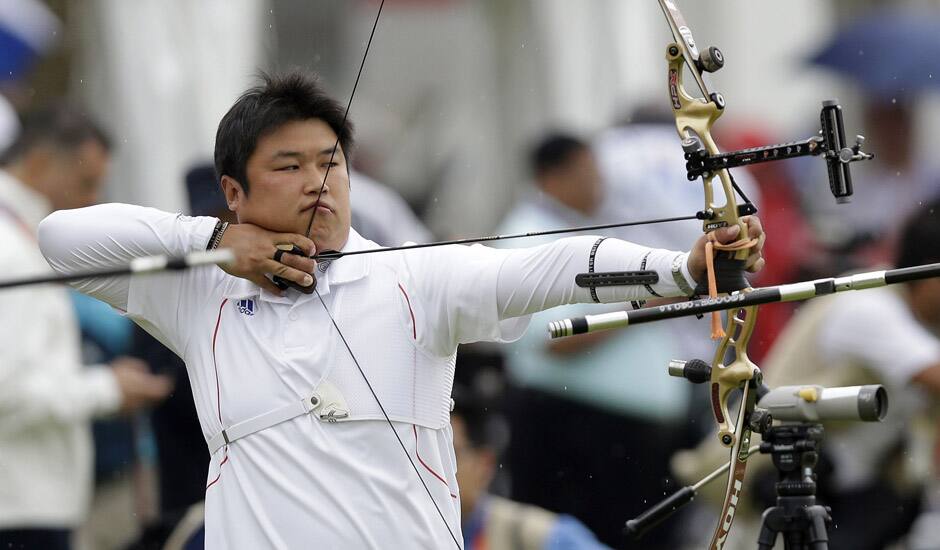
(234, 192)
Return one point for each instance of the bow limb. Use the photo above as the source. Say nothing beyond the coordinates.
(739, 373)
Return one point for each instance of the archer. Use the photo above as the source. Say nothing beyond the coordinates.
(296, 390)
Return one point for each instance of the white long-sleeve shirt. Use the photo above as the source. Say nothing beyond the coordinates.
(304, 482)
(47, 397)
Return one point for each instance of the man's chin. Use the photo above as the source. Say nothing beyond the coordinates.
(329, 241)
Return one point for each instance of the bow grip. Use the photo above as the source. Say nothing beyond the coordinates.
(729, 275)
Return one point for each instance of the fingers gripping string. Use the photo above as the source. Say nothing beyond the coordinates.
(711, 245)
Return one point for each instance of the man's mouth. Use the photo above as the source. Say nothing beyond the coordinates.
(321, 206)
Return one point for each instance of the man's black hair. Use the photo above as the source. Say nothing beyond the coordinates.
(553, 151)
(280, 99)
(920, 239)
(60, 126)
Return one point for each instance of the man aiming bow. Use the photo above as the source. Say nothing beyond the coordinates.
(296, 391)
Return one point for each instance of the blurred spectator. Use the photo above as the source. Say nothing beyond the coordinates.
(491, 522)
(891, 54)
(381, 215)
(597, 406)
(123, 473)
(887, 336)
(47, 397)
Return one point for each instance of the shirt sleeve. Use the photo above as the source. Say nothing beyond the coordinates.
(543, 277)
(477, 293)
(111, 235)
(877, 328)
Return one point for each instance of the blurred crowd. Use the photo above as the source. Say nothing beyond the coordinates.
(558, 442)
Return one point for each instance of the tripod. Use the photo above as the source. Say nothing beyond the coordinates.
(794, 449)
(802, 522)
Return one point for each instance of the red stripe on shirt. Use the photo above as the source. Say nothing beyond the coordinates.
(218, 477)
(215, 334)
(423, 463)
(414, 326)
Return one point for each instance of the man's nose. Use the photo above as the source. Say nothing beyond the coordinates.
(316, 183)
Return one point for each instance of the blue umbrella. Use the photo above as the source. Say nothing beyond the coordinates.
(27, 30)
(889, 52)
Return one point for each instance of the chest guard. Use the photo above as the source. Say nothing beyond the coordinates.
(378, 307)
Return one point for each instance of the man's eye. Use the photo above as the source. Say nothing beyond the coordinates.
(288, 168)
(333, 164)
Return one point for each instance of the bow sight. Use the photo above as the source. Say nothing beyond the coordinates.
(829, 144)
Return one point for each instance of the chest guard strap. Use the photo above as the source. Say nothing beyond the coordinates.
(327, 403)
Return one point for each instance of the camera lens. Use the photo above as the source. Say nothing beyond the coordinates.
(872, 403)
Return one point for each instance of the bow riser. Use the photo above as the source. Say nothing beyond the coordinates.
(694, 119)
(726, 378)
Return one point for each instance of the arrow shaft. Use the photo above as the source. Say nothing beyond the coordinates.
(147, 264)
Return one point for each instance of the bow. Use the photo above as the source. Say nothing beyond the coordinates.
(730, 369)
(694, 119)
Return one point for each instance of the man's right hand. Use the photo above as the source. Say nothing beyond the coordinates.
(254, 250)
(139, 388)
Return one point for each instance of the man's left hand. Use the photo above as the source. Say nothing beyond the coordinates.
(755, 259)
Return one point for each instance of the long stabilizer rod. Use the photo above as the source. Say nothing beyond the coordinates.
(783, 293)
(638, 526)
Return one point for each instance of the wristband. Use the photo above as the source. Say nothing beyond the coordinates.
(217, 233)
(679, 278)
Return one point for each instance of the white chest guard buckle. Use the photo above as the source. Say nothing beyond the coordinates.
(326, 402)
